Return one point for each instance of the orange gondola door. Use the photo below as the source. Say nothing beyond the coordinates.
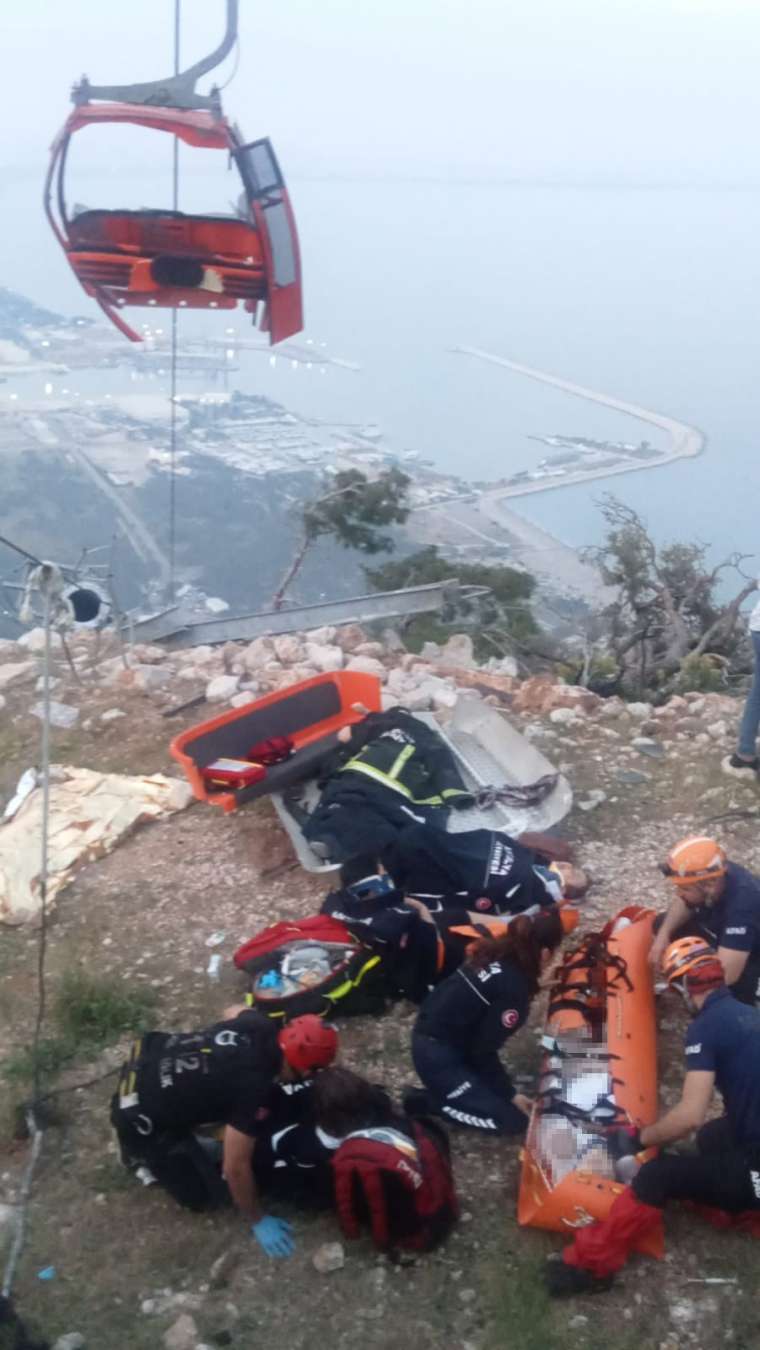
(273, 214)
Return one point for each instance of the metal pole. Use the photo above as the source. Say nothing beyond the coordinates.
(174, 328)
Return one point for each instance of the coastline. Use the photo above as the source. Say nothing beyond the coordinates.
(686, 441)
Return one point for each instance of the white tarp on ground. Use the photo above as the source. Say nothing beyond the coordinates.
(89, 814)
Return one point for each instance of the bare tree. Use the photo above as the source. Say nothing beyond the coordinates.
(352, 509)
(667, 614)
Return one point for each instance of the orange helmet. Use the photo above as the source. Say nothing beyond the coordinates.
(683, 955)
(696, 858)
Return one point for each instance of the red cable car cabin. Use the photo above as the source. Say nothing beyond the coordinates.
(174, 260)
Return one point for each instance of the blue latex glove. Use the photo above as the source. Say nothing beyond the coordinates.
(274, 1235)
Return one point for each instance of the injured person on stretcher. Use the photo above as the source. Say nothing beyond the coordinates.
(722, 1179)
(390, 771)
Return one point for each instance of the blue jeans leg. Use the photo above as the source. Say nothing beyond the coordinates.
(751, 716)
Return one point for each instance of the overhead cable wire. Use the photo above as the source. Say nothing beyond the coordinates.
(47, 578)
(174, 335)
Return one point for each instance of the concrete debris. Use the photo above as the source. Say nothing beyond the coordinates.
(329, 1257)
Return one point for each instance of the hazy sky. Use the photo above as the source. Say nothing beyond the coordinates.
(641, 90)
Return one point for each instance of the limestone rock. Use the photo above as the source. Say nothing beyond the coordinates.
(112, 715)
(717, 730)
(393, 641)
(640, 710)
(242, 698)
(330, 1256)
(532, 695)
(594, 799)
(182, 1334)
(368, 665)
(611, 707)
(62, 715)
(458, 651)
(73, 1340)
(147, 654)
(350, 636)
(148, 679)
(34, 640)
(503, 665)
(14, 672)
(2, 702)
(222, 688)
(370, 649)
(564, 717)
(430, 651)
(222, 1268)
(203, 654)
(288, 649)
(323, 637)
(256, 654)
(325, 657)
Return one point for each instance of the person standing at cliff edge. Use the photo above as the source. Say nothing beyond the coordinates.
(745, 756)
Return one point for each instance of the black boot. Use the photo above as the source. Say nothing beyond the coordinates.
(416, 1102)
(563, 1281)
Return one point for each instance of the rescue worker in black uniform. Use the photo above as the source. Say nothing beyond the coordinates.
(717, 900)
(390, 771)
(484, 870)
(174, 1083)
(464, 1022)
(722, 1050)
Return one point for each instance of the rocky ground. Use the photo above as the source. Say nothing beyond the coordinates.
(133, 1270)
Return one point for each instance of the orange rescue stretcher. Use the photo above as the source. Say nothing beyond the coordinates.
(309, 714)
(599, 1069)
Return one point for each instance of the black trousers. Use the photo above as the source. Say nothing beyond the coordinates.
(747, 987)
(473, 1093)
(721, 1174)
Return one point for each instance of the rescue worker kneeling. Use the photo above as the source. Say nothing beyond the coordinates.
(464, 1021)
(723, 1051)
(174, 1083)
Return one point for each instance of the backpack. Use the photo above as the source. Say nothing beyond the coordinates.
(399, 1184)
(311, 965)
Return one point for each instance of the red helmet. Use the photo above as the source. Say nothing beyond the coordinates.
(308, 1043)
